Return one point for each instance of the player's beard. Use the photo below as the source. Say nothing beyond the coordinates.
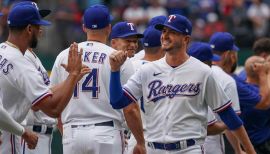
(33, 41)
(233, 68)
(172, 47)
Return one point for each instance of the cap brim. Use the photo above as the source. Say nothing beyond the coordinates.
(216, 57)
(44, 13)
(161, 26)
(235, 48)
(138, 35)
(43, 23)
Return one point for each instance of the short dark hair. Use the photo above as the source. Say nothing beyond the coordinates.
(17, 28)
(261, 45)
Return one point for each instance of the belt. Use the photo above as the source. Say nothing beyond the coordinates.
(172, 146)
(107, 123)
(45, 130)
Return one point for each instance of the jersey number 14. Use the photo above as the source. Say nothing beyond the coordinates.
(90, 84)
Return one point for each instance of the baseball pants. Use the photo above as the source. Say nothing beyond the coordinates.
(92, 140)
(195, 149)
(214, 144)
(11, 144)
(43, 145)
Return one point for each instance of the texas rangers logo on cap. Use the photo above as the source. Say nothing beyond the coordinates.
(131, 25)
(35, 4)
(171, 17)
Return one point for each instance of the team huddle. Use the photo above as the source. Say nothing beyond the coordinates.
(174, 96)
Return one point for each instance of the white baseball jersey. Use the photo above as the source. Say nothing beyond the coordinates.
(215, 143)
(176, 99)
(90, 102)
(211, 118)
(22, 85)
(38, 117)
(229, 86)
(138, 55)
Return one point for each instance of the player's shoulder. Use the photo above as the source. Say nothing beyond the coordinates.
(219, 73)
(96, 46)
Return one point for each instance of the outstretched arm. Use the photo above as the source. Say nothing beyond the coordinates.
(235, 124)
(55, 104)
(119, 100)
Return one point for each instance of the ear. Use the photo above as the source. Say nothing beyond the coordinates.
(113, 43)
(29, 28)
(187, 39)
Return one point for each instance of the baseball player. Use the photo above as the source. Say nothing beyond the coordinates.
(153, 51)
(10, 125)
(90, 125)
(177, 90)
(18, 77)
(156, 20)
(222, 43)
(37, 120)
(124, 36)
(203, 52)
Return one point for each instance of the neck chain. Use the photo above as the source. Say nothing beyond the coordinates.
(13, 45)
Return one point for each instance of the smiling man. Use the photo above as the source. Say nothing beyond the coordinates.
(177, 91)
(125, 37)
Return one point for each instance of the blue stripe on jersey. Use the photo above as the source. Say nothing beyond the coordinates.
(41, 97)
(212, 122)
(224, 106)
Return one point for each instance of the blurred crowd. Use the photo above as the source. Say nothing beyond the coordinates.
(247, 20)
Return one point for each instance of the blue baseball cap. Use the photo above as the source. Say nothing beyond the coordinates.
(124, 29)
(22, 15)
(178, 23)
(1, 14)
(157, 20)
(222, 41)
(151, 37)
(97, 17)
(43, 12)
(202, 51)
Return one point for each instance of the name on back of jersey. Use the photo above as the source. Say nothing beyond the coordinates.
(5, 66)
(94, 57)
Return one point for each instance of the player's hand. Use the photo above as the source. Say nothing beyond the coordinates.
(260, 68)
(74, 65)
(117, 59)
(139, 149)
(30, 138)
(85, 70)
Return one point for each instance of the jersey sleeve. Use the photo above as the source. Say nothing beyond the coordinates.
(232, 93)
(211, 119)
(30, 82)
(127, 70)
(133, 87)
(215, 96)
